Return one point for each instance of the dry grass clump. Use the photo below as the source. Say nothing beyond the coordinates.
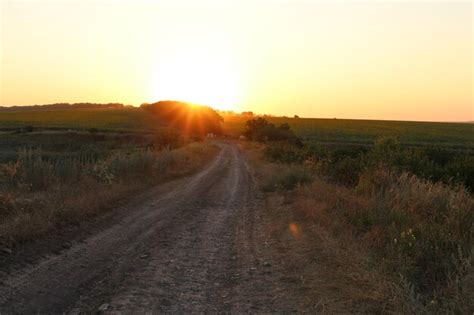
(38, 195)
(424, 230)
(419, 231)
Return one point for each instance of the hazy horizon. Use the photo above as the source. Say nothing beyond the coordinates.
(387, 61)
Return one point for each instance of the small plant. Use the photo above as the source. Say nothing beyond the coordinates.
(102, 173)
(34, 171)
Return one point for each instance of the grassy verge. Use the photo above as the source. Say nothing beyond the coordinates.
(407, 240)
(39, 195)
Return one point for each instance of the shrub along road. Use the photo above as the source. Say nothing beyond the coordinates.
(186, 246)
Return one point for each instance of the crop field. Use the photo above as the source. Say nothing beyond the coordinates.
(69, 144)
(72, 130)
(101, 119)
(78, 133)
(365, 132)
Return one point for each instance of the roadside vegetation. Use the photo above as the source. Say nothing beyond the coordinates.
(61, 166)
(39, 194)
(411, 210)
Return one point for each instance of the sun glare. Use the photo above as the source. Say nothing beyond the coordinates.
(198, 72)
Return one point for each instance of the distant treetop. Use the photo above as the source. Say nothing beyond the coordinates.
(189, 118)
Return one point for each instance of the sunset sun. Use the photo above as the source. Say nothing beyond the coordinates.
(202, 72)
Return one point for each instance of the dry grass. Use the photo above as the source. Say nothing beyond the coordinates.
(326, 272)
(28, 213)
(345, 250)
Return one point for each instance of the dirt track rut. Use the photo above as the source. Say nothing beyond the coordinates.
(185, 246)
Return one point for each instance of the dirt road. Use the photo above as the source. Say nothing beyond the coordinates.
(185, 246)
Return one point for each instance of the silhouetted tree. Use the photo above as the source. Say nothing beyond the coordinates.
(190, 119)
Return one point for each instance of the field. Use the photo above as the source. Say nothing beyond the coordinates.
(357, 132)
(72, 131)
(78, 132)
(83, 119)
(365, 132)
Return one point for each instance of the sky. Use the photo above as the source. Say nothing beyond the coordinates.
(400, 60)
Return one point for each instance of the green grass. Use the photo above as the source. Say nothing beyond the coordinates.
(129, 119)
(334, 132)
(365, 132)
(358, 132)
(75, 133)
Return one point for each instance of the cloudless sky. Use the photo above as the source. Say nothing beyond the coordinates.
(377, 60)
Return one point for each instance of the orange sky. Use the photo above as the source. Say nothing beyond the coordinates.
(392, 60)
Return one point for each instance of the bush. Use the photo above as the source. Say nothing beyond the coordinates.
(27, 129)
(461, 170)
(261, 130)
(386, 151)
(427, 228)
(167, 140)
(345, 165)
(34, 172)
(317, 152)
(287, 179)
(284, 153)
(345, 171)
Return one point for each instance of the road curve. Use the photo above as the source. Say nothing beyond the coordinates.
(173, 251)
